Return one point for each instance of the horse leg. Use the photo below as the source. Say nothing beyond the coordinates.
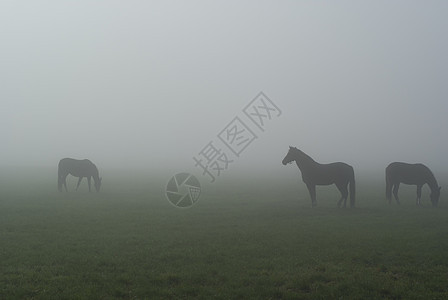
(419, 194)
(344, 194)
(64, 182)
(60, 182)
(88, 180)
(312, 190)
(395, 191)
(79, 182)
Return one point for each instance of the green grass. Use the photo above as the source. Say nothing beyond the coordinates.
(238, 242)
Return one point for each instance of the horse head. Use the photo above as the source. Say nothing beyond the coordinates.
(290, 157)
(434, 196)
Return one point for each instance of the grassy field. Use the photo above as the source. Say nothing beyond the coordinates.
(242, 240)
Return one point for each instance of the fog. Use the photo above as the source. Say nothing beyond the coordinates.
(148, 84)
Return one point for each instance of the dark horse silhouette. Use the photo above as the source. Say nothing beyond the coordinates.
(313, 173)
(77, 168)
(413, 174)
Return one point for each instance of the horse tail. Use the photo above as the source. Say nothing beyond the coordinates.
(388, 185)
(352, 188)
(60, 175)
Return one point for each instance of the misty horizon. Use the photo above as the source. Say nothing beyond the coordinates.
(148, 85)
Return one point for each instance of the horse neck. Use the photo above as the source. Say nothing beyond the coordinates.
(95, 173)
(303, 160)
(432, 182)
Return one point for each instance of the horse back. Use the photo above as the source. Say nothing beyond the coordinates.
(326, 174)
(408, 173)
(77, 168)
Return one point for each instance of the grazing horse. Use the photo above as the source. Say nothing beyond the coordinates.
(77, 168)
(413, 174)
(313, 173)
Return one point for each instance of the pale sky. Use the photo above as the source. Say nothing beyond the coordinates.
(150, 83)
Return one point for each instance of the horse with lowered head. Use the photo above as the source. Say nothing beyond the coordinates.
(78, 168)
(313, 173)
(413, 174)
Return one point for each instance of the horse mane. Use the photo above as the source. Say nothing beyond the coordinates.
(304, 156)
(94, 169)
(432, 181)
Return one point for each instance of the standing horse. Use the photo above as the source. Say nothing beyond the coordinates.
(77, 168)
(413, 174)
(313, 173)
